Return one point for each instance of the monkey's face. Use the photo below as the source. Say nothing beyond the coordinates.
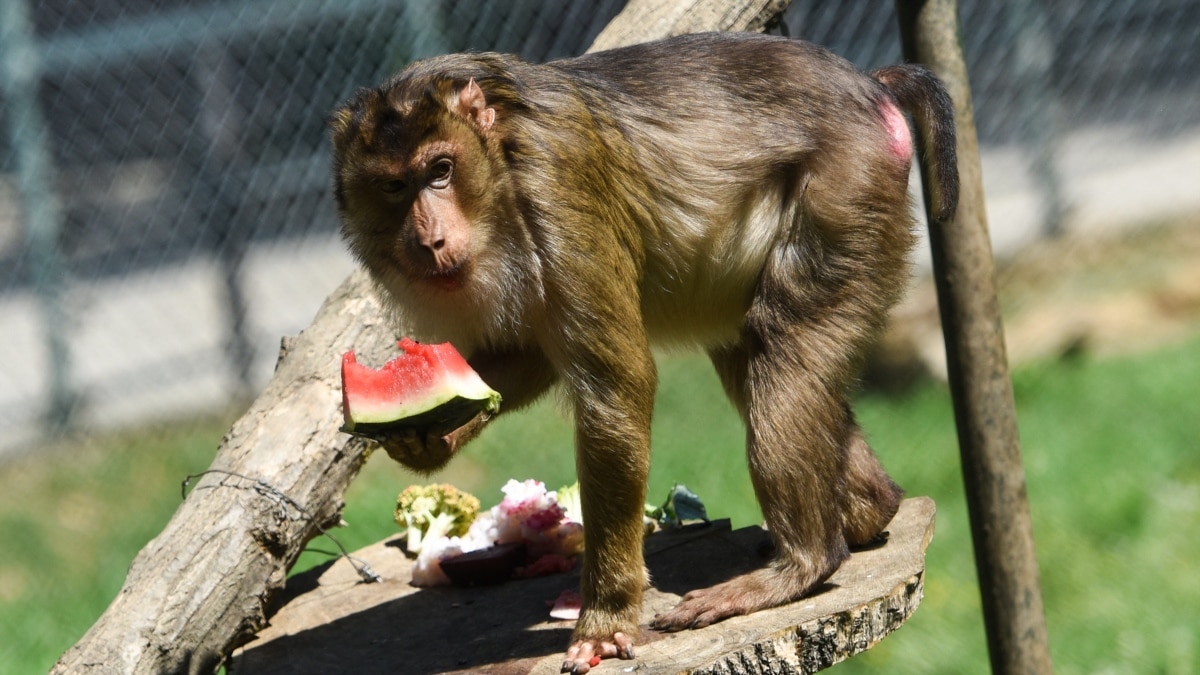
(411, 189)
(427, 207)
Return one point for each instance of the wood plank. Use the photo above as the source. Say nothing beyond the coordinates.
(331, 622)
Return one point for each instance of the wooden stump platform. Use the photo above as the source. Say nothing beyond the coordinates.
(331, 622)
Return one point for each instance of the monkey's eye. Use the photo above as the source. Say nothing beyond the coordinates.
(440, 173)
(391, 187)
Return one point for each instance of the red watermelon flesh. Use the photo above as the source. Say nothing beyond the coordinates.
(426, 386)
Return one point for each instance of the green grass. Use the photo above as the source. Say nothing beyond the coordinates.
(1110, 449)
(1114, 483)
(71, 519)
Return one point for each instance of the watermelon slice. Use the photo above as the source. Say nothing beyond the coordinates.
(427, 386)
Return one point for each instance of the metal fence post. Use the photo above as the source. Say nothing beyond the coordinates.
(228, 227)
(1038, 110)
(20, 75)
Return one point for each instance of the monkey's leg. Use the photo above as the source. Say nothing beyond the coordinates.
(609, 372)
(815, 478)
(612, 459)
(795, 430)
(872, 498)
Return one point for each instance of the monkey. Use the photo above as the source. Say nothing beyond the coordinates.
(741, 194)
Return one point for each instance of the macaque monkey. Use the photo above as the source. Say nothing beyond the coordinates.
(739, 193)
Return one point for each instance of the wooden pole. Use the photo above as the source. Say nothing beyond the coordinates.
(984, 410)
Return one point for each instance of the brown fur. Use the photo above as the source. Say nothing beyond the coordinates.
(739, 193)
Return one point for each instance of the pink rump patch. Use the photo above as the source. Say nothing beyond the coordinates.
(899, 138)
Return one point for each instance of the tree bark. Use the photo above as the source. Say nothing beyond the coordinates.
(645, 20)
(204, 585)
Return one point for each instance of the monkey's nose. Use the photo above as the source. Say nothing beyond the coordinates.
(431, 240)
(443, 257)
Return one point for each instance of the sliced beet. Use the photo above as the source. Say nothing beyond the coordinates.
(485, 567)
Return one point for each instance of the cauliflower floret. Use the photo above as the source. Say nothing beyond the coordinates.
(530, 506)
(428, 569)
(432, 512)
(484, 532)
(528, 513)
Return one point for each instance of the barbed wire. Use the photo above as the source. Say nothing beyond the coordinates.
(283, 501)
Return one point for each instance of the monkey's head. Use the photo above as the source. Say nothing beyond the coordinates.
(411, 176)
(426, 199)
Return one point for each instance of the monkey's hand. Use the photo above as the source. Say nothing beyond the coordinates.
(584, 654)
(427, 449)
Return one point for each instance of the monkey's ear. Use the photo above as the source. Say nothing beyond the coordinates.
(473, 104)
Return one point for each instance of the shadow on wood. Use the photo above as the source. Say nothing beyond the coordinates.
(332, 623)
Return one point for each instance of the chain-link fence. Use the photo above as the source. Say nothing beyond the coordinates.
(164, 196)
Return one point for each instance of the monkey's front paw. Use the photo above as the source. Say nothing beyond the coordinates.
(428, 449)
(419, 449)
(584, 654)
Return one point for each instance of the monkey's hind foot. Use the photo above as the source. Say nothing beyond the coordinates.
(745, 594)
(583, 654)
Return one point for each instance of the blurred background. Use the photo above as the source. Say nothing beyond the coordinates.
(166, 217)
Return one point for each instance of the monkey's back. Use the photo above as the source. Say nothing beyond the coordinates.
(720, 132)
(710, 152)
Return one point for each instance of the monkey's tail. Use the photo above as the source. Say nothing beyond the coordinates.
(921, 94)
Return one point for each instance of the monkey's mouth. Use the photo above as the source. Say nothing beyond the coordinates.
(451, 279)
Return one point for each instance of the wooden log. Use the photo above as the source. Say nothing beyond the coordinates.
(201, 587)
(331, 622)
(645, 20)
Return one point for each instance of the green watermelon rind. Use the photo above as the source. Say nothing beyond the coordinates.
(449, 415)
